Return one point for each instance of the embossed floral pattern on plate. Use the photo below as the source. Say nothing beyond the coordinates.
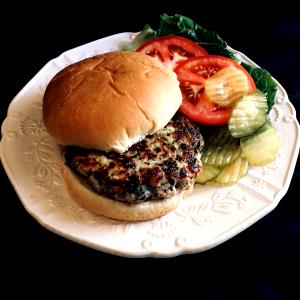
(211, 215)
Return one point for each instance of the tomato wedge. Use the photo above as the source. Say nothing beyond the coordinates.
(171, 50)
(192, 75)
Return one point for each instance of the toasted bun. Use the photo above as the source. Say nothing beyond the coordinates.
(113, 209)
(110, 101)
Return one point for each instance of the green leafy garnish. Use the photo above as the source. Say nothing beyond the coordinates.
(264, 82)
(183, 26)
(141, 38)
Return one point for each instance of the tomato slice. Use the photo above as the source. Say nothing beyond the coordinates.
(171, 50)
(205, 111)
(192, 75)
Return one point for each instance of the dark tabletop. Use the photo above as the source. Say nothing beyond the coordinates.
(263, 260)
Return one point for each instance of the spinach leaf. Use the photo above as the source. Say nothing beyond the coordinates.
(264, 82)
(181, 25)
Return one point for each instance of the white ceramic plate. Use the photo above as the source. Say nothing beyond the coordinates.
(210, 216)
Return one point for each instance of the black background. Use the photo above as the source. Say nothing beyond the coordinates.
(262, 262)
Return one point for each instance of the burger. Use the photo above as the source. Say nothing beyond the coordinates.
(129, 155)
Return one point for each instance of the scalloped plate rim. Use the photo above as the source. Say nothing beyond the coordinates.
(220, 238)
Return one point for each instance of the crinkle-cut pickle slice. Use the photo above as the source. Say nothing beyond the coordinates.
(262, 147)
(208, 173)
(221, 148)
(231, 173)
(248, 114)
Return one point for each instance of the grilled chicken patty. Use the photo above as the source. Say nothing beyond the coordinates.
(155, 168)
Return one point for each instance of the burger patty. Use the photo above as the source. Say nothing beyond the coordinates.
(154, 169)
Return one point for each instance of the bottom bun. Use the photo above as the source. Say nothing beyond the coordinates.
(113, 209)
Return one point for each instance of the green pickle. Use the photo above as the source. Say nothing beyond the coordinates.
(231, 173)
(262, 147)
(208, 173)
(221, 148)
(248, 114)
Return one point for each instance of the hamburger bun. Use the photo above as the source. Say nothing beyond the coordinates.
(110, 101)
(113, 209)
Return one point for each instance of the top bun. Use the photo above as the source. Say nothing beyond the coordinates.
(110, 101)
